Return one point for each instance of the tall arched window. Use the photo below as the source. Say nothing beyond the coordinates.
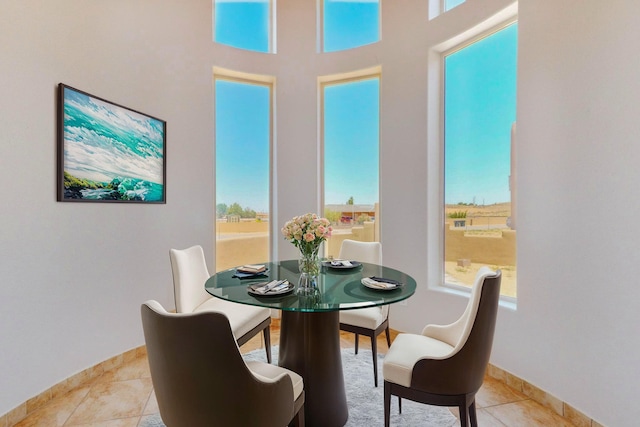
(479, 112)
(243, 133)
(351, 157)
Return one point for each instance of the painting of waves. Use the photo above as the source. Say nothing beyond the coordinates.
(108, 152)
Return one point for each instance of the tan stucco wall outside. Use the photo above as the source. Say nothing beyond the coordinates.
(247, 242)
(492, 250)
(234, 249)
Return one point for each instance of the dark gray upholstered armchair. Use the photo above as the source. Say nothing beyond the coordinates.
(445, 365)
(201, 380)
(190, 272)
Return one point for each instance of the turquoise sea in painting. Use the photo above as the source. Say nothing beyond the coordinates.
(110, 152)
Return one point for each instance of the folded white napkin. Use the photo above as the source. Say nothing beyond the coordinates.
(252, 268)
(341, 262)
(367, 281)
(274, 285)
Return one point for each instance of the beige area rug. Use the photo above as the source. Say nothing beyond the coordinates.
(365, 401)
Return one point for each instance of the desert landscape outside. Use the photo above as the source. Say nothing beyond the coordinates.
(478, 235)
(481, 237)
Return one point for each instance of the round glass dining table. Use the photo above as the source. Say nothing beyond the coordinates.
(310, 325)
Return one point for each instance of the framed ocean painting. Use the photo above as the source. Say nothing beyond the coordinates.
(107, 152)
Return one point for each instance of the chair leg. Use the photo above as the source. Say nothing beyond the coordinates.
(298, 419)
(472, 414)
(464, 417)
(387, 403)
(356, 343)
(399, 405)
(386, 332)
(374, 353)
(267, 342)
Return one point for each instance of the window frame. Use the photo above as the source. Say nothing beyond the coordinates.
(224, 74)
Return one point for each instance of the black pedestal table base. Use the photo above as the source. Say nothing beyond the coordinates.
(310, 346)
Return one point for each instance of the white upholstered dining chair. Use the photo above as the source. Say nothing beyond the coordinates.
(190, 273)
(371, 321)
(445, 364)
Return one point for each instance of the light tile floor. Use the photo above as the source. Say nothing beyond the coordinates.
(124, 396)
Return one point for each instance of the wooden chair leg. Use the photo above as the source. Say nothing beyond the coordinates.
(387, 403)
(267, 342)
(386, 331)
(298, 419)
(356, 343)
(472, 414)
(399, 405)
(374, 353)
(464, 417)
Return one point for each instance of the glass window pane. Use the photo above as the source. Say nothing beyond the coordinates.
(351, 160)
(243, 24)
(242, 144)
(450, 4)
(350, 23)
(480, 109)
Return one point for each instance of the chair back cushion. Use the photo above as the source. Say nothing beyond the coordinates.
(190, 272)
(463, 372)
(370, 252)
(459, 337)
(200, 378)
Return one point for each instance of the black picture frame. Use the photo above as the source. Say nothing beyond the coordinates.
(108, 153)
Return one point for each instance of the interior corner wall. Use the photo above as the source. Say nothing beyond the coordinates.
(73, 275)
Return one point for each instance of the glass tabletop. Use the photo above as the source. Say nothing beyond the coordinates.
(338, 288)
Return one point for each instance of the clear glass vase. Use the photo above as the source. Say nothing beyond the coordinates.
(309, 266)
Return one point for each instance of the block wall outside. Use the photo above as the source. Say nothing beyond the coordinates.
(480, 249)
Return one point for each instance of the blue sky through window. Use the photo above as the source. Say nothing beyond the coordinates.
(450, 4)
(242, 114)
(480, 107)
(350, 23)
(242, 23)
(351, 141)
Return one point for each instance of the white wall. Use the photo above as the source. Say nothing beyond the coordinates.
(578, 133)
(73, 275)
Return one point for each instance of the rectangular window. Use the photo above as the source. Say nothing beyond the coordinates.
(349, 23)
(243, 120)
(450, 4)
(479, 113)
(244, 24)
(351, 141)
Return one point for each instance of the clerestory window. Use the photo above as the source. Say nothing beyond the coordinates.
(349, 23)
(450, 4)
(244, 24)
